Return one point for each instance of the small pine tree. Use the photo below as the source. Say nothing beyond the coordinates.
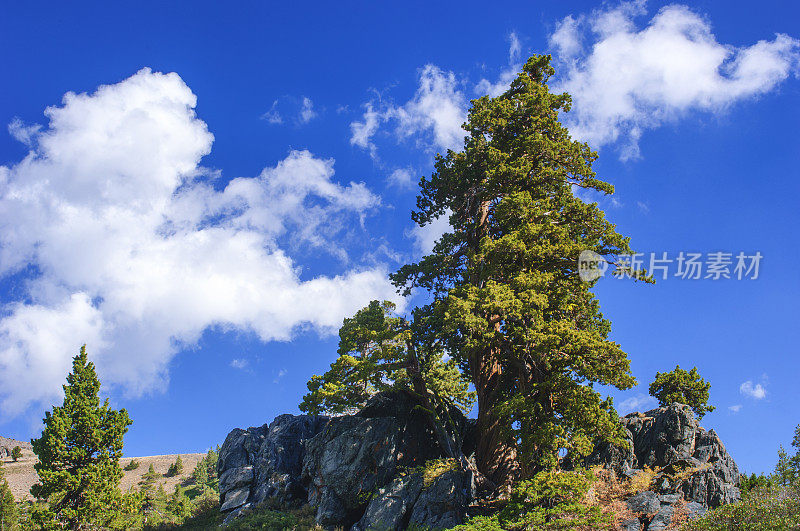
(786, 469)
(149, 478)
(200, 473)
(175, 468)
(16, 453)
(684, 387)
(179, 504)
(9, 517)
(79, 453)
(133, 464)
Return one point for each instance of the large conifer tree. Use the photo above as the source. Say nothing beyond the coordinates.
(508, 300)
(79, 453)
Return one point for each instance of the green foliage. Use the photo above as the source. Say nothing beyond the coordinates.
(549, 500)
(373, 357)
(204, 474)
(9, 516)
(79, 453)
(753, 482)
(16, 453)
(133, 464)
(175, 468)
(149, 478)
(267, 517)
(787, 469)
(682, 387)
(508, 302)
(768, 508)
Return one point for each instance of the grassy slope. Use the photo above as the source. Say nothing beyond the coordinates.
(21, 475)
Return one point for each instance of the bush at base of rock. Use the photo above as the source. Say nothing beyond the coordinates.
(550, 500)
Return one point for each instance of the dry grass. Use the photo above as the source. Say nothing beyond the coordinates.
(641, 481)
(608, 492)
(21, 475)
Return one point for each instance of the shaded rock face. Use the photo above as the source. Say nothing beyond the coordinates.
(265, 462)
(351, 468)
(695, 472)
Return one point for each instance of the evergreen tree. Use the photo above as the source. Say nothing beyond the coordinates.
(16, 453)
(785, 472)
(149, 478)
(79, 453)
(179, 504)
(175, 468)
(682, 387)
(377, 352)
(9, 516)
(508, 302)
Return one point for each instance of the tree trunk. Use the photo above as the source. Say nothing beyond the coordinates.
(496, 455)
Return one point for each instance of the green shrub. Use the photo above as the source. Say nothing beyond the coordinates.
(549, 500)
(16, 453)
(133, 464)
(775, 508)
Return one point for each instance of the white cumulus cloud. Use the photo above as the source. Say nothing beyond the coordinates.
(626, 78)
(120, 241)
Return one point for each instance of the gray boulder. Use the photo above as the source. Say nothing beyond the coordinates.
(444, 503)
(265, 462)
(352, 468)
(390, 508)
(645, 502)
(355, 456)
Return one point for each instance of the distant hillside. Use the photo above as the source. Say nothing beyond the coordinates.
(21, 475)
(7, 445)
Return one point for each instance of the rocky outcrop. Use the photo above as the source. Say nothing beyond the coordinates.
(363, 472)
(693, 471)
(353, 468)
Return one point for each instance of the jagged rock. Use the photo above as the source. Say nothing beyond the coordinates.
(662, 519)
(234, 498)
(265, 462)
(693, 461)
(645, 502)
(631, 524)
(353, 456)
(348, 467)
(444, 503)
(390, 508)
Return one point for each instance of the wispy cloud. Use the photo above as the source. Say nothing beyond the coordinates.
(239, 363)
(735, 408)
(756, 391)
(640, 402)
(281, 374)
(307, 112)
(272, 115)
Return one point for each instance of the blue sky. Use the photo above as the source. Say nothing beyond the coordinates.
(204, 232)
